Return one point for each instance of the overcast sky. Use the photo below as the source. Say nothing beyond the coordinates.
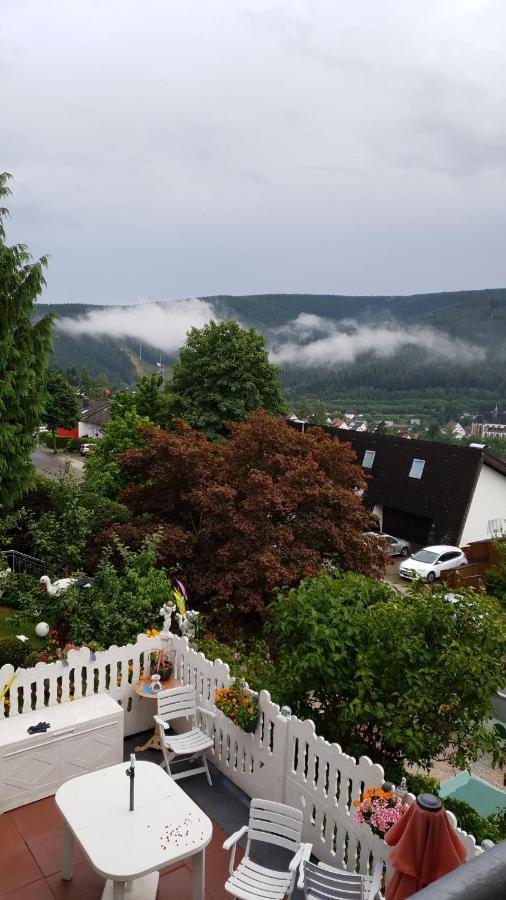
(175, 148)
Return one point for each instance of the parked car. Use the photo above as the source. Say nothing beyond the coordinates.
(431, 562)
(395, 546)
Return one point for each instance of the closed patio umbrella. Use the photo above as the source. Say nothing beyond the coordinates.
(426, 847)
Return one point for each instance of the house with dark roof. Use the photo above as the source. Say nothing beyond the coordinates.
(93, 416)
(430, 493)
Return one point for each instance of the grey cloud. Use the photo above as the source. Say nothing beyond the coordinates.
(344, 341)
(163, 325)
(247, 146)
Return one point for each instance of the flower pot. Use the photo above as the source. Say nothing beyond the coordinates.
(165, 672)
(251, 727)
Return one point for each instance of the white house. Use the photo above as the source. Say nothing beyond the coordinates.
(486, 516)
(93, 418)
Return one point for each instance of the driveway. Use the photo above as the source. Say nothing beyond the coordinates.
(392, 576)
(52, 465)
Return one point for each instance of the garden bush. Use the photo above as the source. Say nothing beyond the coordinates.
(401, 678)
(122, 601)
(17, 588)
(468, 819)
(62, 442)
(13, 651)
(251, 662)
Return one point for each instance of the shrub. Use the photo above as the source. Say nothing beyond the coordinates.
(468, 819)
(399, 677)
(119, 605)
(251, 662)
(63, 442)
(471, 821)
(17, 588)
(13, 651)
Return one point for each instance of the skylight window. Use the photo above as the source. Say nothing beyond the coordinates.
(368, 459)
(417, 467)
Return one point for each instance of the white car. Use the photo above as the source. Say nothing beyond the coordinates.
(431, 562)
(395, 546)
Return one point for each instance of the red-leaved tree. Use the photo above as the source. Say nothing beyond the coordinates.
(241, 518)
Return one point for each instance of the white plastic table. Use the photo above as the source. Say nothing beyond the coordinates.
(129, 848)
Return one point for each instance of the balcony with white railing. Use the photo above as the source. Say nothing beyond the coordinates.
(283, 760)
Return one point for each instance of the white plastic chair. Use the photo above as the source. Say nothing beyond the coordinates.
(177, 703)
(269, 823)
(324, 882)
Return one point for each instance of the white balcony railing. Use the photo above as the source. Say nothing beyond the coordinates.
(283, 760)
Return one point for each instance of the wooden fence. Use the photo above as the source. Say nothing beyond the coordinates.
(481, 555)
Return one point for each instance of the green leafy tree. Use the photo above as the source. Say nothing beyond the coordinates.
(120, 604)
(61, 534)
(104, 474)
(223, 374)
(150, 400)
(313, 410)
(403, 678)
(24, 347)
(496, 576)
(62, 407)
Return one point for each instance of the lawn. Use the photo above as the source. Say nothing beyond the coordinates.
(10, 626)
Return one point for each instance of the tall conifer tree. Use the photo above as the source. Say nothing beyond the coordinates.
(24, 347)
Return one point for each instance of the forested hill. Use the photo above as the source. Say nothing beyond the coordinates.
(477, 317)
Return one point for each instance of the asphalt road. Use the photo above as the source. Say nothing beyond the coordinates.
(53, 465)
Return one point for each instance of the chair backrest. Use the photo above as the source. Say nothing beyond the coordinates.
(275, 823)
(176, 703)
(331, 884)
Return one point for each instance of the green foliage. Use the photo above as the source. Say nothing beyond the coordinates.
(16, 587)
(421, 784)
(496, 577)
(468, 819)
(104, 475)
(119, 604)
(61, 534)
(312, 410)
(60, 441)
(223, 374)
(150, 401)
(13, 651)
(400, 677)
(24, 347)
(251, 661)
(471, 821)
(61, 405)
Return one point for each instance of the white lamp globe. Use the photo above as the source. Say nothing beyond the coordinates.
(42, 629)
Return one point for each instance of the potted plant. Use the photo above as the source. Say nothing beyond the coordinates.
(378, 809)
(94, 647)
(162, 664)
(239, 705)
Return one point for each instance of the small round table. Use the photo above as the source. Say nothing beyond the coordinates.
(142, 689)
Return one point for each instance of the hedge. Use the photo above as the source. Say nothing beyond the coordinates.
(62, 442)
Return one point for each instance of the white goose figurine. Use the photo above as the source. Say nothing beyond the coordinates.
(59, 587)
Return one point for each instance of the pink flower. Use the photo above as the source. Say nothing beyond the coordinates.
(237, 656)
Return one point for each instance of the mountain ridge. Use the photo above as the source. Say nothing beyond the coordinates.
(477, 317)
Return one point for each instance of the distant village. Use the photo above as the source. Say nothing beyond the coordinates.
(486, 425)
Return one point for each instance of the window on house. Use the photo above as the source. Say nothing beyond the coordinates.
(368, 459)
(417, 468)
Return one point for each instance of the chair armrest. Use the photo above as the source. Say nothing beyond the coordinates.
(376, 881)
(235, 837)
(297, 862)
(159, 721)
(206, 712)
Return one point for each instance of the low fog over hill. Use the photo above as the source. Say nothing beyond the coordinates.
(324, 344)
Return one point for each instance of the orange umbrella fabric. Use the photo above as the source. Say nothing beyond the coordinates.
(426, 848)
